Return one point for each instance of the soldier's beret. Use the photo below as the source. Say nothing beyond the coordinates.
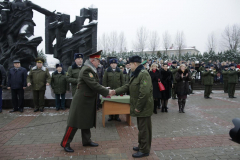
(127, 62)
(211, 65)
(114, 60)
(174, 62)
(191, 67)
(78, 55)
(206, 66)
(59, 65)
(231, 65)
(135, 59)
(226, 66)
(39, 60)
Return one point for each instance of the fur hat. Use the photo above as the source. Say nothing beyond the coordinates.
(135, 59)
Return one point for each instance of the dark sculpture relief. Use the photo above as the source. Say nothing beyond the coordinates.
(84, 38)
(17, 40)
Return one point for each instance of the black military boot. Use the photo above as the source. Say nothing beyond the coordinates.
(180, 105)
(183, 105)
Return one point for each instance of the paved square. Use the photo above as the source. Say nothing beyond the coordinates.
(201, 133)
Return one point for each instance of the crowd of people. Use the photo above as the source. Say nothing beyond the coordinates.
(150, 85)
(177, 77)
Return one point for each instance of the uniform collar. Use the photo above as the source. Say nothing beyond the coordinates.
(89, 64)
(43, 68)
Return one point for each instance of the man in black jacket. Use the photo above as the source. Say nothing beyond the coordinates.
(17, 82)
(2, 82)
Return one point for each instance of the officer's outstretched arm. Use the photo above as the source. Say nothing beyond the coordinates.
(123, 89)
(93, 84)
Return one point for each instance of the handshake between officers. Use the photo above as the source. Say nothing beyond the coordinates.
(82, 113)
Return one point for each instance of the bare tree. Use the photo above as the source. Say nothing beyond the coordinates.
(154, 41)
(180, 42)
(104, 43)
(141, 41)
(113, 41)
(231, 37)
(212, 42)
(122, 42)
(166, 40)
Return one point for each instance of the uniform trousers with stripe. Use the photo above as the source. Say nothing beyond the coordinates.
(70, 132)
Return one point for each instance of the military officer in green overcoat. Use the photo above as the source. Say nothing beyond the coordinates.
(225, 78)
(39, 78)
(82, 113)
(113, 78)
(141, 104)
(73, 71)
(208, 82)
(174, 70)
(232, 80)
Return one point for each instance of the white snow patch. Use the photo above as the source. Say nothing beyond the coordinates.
(32, 37)
(24, 28)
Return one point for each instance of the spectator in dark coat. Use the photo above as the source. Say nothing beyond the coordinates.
(2, 82)
(155, 76)
(182, 77)
(17, 82)
(167, 80)
(104, 63)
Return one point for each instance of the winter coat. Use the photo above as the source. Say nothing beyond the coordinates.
(100, 72)
(82, 113)
(167, 80)
(232, 76)
(141, 93)
(17, 78)
(72, 76)
(182, 87)
(208, 77)
(113, 79)
(225, 75)
(174, 71)
(38, 78)
(155, 78)
(59, 82)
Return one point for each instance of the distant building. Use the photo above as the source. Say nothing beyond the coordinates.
(173, 51)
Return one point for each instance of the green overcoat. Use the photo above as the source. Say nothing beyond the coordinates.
(72, 76)
(141, 93)
(232, 76)
(174, 71)
(113, 79)
(82, 113)
(208, 77)
(38, 78)
(59, 82)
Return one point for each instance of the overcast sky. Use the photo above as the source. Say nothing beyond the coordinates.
(196, 18)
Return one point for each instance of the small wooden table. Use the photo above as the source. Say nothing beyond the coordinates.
(112, 108)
